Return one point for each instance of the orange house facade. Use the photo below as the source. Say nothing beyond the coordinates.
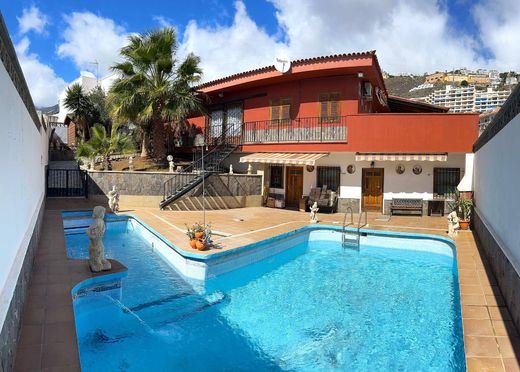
(327, 129)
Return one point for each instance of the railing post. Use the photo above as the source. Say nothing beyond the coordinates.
(67, 182)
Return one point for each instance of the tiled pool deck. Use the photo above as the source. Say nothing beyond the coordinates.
(48, 339)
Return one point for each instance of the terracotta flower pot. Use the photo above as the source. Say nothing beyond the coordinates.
(200, 245)
(193, 243)
(199, 234)
(464, 225)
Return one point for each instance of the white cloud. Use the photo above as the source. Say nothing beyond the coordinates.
(163, 21)
(409, 36)
(32, 19)
(227, 50)
(89, 38)
(43, 82)
(499, 30)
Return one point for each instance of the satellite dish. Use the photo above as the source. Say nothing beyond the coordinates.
(282, 64)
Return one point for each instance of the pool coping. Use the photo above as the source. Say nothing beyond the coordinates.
(208, 257)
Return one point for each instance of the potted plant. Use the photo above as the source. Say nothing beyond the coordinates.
(205, 240)
(199, 230)
(463, 207)
(190, 232)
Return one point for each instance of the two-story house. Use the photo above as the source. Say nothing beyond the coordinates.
(329, 121)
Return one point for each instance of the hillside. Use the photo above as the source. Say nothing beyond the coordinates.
(400, 86)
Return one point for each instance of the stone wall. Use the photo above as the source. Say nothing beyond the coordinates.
(10, 332)
(145, 189)
(507, 278)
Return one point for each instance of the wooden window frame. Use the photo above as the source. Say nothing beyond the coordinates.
(327, 97)
(280, 103)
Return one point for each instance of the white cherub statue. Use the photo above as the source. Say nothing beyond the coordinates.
(314, 213)
(113, 199)
(96, 249)
(453, 223)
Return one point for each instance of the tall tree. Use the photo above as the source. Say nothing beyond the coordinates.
(81, 108)
(154, 89)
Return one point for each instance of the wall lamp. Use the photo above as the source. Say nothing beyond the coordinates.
(372, 164)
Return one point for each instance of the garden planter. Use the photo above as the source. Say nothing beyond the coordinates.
(193, 243)
(200, 245)
(464, 225)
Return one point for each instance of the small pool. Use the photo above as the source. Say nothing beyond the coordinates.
(394, 305)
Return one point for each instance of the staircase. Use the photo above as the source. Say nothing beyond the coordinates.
(199, 170)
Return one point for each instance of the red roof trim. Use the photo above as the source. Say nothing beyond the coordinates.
(371, 53)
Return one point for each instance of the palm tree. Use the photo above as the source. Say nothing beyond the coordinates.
(154, 89)
(104, 146)
(81, 107)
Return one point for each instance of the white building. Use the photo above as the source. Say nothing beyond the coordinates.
(88, 82)
(468, 99)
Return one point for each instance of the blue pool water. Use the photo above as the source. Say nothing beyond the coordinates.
(313, 307)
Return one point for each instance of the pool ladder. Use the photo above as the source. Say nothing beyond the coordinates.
(346, 240)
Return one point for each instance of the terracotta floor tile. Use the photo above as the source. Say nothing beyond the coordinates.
(484, 365)
(481, 346)
(504, 328)
(478, 327)
(59, 332)
(495, 300)
(509, 346)
(511, 364)
(60, 314)
(475, 312)
(473, 300)
(499, 313)
(59, 355)
(29, 358)
(471, 289)
(31, 335)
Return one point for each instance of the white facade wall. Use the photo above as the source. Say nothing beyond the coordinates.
(406, 185)
(22, 187)
(496, 179)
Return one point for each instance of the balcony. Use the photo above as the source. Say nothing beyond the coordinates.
(308, 129)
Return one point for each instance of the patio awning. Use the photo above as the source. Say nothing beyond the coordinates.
(378, 156)
(283, 158)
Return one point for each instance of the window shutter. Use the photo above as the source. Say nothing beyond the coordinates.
(285, 109)
(324, 98)
(334, 105)
(275, 109)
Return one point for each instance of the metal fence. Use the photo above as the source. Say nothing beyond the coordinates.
(66, 183)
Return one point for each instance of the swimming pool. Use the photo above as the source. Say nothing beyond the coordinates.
(313, 305)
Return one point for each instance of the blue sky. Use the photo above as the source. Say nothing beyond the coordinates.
(55, 40)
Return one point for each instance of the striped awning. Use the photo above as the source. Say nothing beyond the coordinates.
(378, 156)
(283, 158)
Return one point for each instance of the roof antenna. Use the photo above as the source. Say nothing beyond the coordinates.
(97, 70)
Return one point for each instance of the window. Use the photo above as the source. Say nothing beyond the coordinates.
(276, 177)
(329, 107)
(281, 109)
(329, 176)
(445, 181)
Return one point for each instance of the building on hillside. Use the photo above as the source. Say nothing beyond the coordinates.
(437, 77)
(468, 99)
(486, 118)
(328, 123)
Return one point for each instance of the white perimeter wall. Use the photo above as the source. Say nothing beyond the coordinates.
(496, 179)
(22, 184)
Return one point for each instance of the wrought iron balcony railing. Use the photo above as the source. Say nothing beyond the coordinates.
(307, 129)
